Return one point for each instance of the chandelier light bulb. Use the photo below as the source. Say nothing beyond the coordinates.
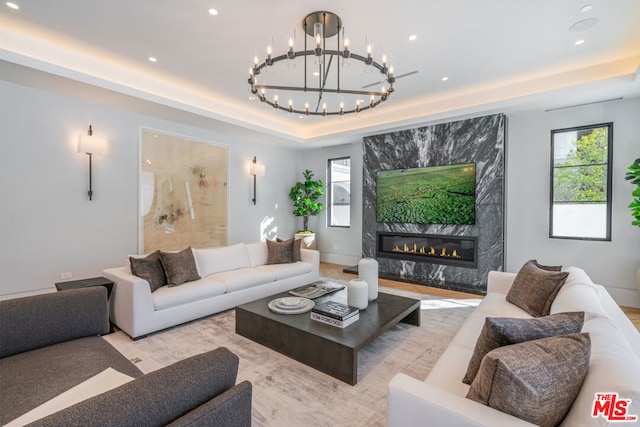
(369, 59)
(384, 60)
(319, 32)
(290, 42)
(346, 44)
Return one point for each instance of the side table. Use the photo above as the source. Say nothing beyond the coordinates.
(86, 283)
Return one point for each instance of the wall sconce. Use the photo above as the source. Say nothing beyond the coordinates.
(91, 145)
(256, 169)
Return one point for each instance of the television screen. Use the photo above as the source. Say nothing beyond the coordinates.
(429, 195)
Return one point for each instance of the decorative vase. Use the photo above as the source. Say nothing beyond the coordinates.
(358, 293)
(308, 240)
(368, 271)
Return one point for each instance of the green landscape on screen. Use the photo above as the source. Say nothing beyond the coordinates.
(430, 195)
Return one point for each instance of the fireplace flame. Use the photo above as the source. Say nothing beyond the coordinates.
(424, 251)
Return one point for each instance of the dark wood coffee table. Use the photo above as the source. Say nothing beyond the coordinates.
(326, 348)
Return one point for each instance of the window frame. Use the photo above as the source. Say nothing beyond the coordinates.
(609, 178)
(330, 182)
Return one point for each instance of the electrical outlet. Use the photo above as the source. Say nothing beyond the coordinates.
(66, 275)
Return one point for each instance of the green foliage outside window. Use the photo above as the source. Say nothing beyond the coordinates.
(582, 177)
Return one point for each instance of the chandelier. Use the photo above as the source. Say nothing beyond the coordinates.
(325, 65)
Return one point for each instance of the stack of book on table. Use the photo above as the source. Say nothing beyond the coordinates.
(335, 314)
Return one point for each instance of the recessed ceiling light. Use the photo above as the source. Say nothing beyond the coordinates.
(213, 12)
(13, 5)
(413, 37)
(153, 59)
(586, 8)
(583, 24)
(316, 74)
(444, 79)
(578, 42)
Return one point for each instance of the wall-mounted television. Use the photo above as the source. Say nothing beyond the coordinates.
(429, 195)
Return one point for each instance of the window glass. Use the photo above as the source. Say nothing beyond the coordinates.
(339, 192)
(581, 182)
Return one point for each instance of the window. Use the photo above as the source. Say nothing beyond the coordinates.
(339, 192)
(581, 182)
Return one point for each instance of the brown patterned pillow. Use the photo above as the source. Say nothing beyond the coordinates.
(501, 331)
(297, 243)
(536, 381)
(546, 267)
(179, 267)
(280, 252)
(149, 268)
(535, 287)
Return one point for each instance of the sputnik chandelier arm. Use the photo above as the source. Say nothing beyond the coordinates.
(320, 26)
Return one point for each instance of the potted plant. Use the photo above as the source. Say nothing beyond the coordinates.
(305, 195)
(634, 176)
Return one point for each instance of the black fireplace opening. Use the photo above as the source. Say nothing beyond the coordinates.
(460, 251)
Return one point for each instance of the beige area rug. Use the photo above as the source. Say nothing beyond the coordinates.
(288, 393)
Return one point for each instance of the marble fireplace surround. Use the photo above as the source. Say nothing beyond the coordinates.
(478, 140)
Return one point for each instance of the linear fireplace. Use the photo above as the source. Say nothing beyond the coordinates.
(458, 251)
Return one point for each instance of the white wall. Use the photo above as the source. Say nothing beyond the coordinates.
(47, 224)
(613, 263)
(338, 245)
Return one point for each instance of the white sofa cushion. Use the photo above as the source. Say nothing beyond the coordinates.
(284, 271)
(236, 280)
(579, 294)
(206, 287)
(497, 305)
(258, 253)
(449, 370)
(215, 260)
(614, 368)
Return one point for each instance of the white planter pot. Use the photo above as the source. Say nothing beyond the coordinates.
(308, 240)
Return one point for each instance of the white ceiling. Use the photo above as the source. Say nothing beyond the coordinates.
(498, 55)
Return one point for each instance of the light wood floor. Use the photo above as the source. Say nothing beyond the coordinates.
(335, 271)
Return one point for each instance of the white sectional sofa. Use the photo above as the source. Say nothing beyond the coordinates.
(614, 364)
(230, 276)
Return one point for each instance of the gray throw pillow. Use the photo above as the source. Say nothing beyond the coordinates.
(536, 381)
(179, 267)
(280, 252)
(297, 244)
(501, 331)
(149, 268)
(535, 287)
